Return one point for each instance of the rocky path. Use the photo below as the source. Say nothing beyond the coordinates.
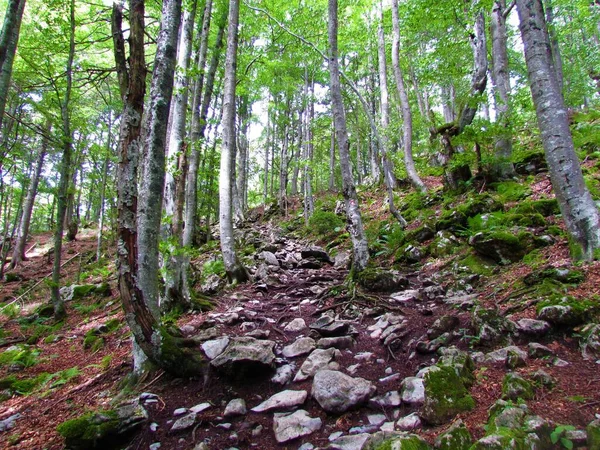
(295, 366)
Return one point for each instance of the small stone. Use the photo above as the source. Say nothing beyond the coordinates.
(376, 419)
(339, 342)
(302, 346)
(147, 396)
(334, 436)
(236, 407)
(388, 400)
(282, 400)
(543, 378)
(337, 392)
(283, 375)
(561, 362)
(153, 427)
(353, 442)
(292, 426)
(363, 356)
(257, 431)
(406, 296)
(535, 350)
(184, 423)
(532, 327)
(413, 391)
(409, 423)
(154, 446)
(317, 360)
(388, 427)
(295, 326)
(390, 379)
(200, 407)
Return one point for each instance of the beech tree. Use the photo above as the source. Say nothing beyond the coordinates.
(579, 211)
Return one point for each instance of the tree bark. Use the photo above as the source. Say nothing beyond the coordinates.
(355, 226)
(307, 150)
(502, 168)
(578, 209)
(19, 250)
(67, 138)
(236, 272)
(9, 38)
(199, 115)
(553, 39)
(407, 126)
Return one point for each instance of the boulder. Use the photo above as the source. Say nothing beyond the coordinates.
(236, 407)
(301, 346)
(245, 355)
(327, 326)
(532, 327)
(457, 437)
(337, 392)
(504, 247)
(378, 280)
(295, 325)
(215, 347)
(413, 391)
(562, 315)
(317, 360)
(445, 396)
(442, 325)
(514, 387)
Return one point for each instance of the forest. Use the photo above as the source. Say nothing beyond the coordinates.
(342, 224)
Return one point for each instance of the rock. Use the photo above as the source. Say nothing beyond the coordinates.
(236, 407)
(212, 285)
(353, 442)
(184, 423)
(269, 258)
(504, 247)
(317, 253)
(295, 325)
(457, 437)
(561, 315)
(200, 407)
(282, 400)
(490, 327)
(259, 334)
(577, 437)
(206, 335)
(214, 348)
(409, 423)
(302, 346)
(245, 355)
(283, 375)
(342, 260)
(339, 342)
(442, 325)
(9, 422)
(100, 429)
(292, 426)
(317, 360)
(589, 340)
(593, 434)
(328, 327)
(433, 346)
(413, 391)
(378, 280)
(532, 327)
(514, 386)
(337, 392)
(410, 295)
(535, 350)
(399, 441)
(390, 399)
(445, 395)
(501, 355)
(179, 412)
(542, 378)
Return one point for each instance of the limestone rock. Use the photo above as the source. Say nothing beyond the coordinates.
(445, 396)
(514, 386)
(317, 360)
(562, 315)
(184, 422)
(409, 423)
(295, 325)
(328, 327)
(292, 426)
(339, 342)
(282, 400)
(236, 407)
(532, 327)
(215, 347)
(457, 437)
(301, 346)
(413, 391)
(352, 442)
(337, 392)
(245, 355)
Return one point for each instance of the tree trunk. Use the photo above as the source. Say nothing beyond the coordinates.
(175, 265)
(553, 39)
(156, 343)
(359, 240)
(576, 204)
(19, 250)
(332, 162)
(307, 151)
(503, 167)
(102, 217)
(243, 151)
(235, 271)
(9, 37)
(199, 115)
(407, 126)
(67, 138)
(297, 154)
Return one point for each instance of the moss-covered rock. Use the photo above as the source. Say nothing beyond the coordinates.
(479, 204)
(532, 164)
(593, 434)
(461, 362)
(445, 395)
(101, 429)
(589, 340)
(491, 327)
(515, 387)
(444, 244)
(505, 247)
(421, 234)
(566, 310)
(45, 310)
(452, 221)
(83, 290)
(403, 441)
(546, 207)
(457, 437)
(379, 280)
(561, 274)
(92, 341)
(502, 440)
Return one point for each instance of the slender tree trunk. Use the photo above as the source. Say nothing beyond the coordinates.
(199, 115)
(503, 167)
(578, 209)
(175, 265)
(407, 126)
(243, 151)
(9, 37)
(359, 240)
(19, 250)
(332, 162)
(67, 137)
(553, 39)
(307, 151)
(297, 154)
(235, 271)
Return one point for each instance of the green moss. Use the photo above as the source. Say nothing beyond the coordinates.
(23, 356)
(546, 207)
(92, 341)
(173, 354)
(325, 223)
(581, 307)
(516, 387)
(88, 429)
(478, 265)
(456, 438)
(511, 191)
(445, 395)
(409, 442)
(593, 434)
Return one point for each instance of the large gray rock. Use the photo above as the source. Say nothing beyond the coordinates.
(245, 355)
(236, 407)
(300, 347)
(292, 426)
(328, 327)
(269, 258)
(351, 442)
(215, 347)
(532, 327)
(337, 392)
(282, 400)
(561, 315)
(295, 325)
(317, 360)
